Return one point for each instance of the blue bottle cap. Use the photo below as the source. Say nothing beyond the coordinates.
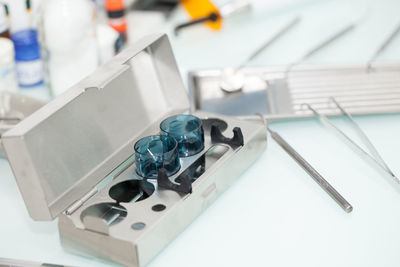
(26, 45)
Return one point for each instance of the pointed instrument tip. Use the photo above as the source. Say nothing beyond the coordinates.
(395, 178)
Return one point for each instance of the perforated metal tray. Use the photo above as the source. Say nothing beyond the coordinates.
(280, 95)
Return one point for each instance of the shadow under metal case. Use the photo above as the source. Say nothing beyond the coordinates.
(73, 159)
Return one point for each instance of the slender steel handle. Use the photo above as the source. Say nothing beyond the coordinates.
(10, 119)
(328, 41)
(322, 45)
(274, 38)
(384, 45)
(313, 173)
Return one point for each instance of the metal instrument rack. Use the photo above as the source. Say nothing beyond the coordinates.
(361, 90)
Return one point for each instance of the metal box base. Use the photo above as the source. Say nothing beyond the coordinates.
(144, 231)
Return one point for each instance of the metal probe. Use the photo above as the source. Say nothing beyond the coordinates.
(313, 173)
(384, 45)
(270, 41)
(323, 44)
(10, 119)
(4, 262)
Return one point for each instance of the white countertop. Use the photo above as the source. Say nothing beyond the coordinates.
(275, 214)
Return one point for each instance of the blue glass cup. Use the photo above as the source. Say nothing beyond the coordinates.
(187, 130)
(152, 153)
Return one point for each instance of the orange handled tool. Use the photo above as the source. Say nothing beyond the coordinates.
(203, 11)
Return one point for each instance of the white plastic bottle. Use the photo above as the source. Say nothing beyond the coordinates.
(70, 40)
(8, 80)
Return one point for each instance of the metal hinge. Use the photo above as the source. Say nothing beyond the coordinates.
(77, 204)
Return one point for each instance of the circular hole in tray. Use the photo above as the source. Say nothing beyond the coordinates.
(209, 121)
(158, 207)
(138, 226)
(112, 213)
(131, 191)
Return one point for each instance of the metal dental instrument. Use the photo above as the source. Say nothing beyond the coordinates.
(373, 157)
(312, 172)
(346, 206)
(323, 44)
(274, 38)
(22, 263)
(278, 89)
(10, 119)
(233, 79)
(221, 12)
(384, 45)
(211, 17)
(138, 196)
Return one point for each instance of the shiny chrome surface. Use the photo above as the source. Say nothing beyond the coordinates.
(123, 242)
(20, 263)
(74, 152)
(14, 107)
(358, 89)
(373, 157)
(324, 184)
(61, 151)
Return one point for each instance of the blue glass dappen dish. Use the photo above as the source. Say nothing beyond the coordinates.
(155, 152)
(188, 132)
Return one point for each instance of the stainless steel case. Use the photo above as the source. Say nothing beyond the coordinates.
(69, 154)
(15, 107)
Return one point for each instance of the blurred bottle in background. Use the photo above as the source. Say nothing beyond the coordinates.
(29, 65)
(106, 38)
(27, 55)
(69, 33)
(7, 74)
(101, 14)
(4, 24)
(34, 8)
(19, 18)
(116, 19)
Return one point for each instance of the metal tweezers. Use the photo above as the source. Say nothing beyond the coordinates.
(373, 157)
(324, 184)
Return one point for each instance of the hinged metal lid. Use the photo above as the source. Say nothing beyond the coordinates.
(64, 149)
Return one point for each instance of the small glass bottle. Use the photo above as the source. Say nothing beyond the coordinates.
(28, 61)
